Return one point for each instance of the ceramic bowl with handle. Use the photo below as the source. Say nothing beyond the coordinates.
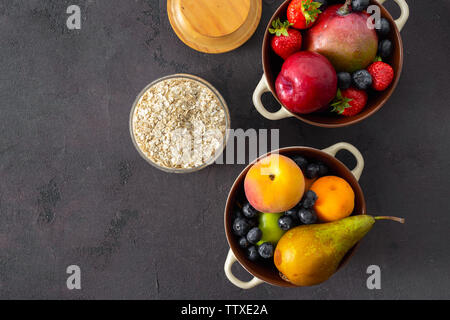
(272, 66)
(267, 272)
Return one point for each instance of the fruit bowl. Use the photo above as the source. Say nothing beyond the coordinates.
(272, 66)
(265, 272)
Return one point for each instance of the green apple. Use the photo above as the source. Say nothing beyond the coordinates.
(271, 232)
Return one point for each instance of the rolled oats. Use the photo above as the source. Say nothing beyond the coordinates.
(179, 123)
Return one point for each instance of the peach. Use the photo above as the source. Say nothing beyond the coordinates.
(274, 184)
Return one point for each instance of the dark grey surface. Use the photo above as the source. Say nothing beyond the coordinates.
(73, 190)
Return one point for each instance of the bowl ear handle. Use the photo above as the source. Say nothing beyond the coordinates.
(231, 259)
(404, 13)
(357, 171)
(259, 91)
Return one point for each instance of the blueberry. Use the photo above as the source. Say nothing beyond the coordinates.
(293, 215)
(307, 216)
(254, 235)
(253, 222)
(248, 211)
(238, 214)
(240, 227)
(312, 171)
(285, 223)
(308, 203)
(301, 162)
(311, 195)
(344, 80)
(243, 243)
(324, 4)
(252, 253)
(384, 28)
(266, 250)
(323, 169)
(362, 79)
(360, 5)
(309, 200)
(385, 48)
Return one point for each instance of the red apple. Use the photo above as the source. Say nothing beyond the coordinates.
(307, 82)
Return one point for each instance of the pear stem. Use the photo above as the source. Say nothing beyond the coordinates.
(344, 9)
(401, 220)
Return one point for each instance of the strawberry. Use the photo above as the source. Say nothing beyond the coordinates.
(303, 13)
(349, 102)
(382, 75)
(285, 41)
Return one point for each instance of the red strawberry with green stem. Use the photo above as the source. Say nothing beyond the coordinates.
(382, 75)
(285, 41)
(349, 102)
(303, 13)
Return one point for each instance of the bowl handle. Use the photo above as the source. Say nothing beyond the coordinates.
(357, 171)
(404, 15)
(259, 91)
(231, 259)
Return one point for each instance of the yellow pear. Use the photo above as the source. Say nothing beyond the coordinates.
(310, 254)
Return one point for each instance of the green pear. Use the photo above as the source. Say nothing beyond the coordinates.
(268, 224)
(310, 254)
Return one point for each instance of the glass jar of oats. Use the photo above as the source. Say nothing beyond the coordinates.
(179, 123)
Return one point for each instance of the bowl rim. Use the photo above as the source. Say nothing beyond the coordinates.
(350, 120)
(223, 104)
(229, 208)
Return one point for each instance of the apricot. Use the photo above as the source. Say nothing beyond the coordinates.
(274, 184)
(336, 198)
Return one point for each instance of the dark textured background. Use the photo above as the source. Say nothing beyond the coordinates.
(73, 190)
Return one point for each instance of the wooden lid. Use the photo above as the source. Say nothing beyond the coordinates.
(214, 26)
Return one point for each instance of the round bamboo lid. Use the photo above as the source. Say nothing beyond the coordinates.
(214, 26)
